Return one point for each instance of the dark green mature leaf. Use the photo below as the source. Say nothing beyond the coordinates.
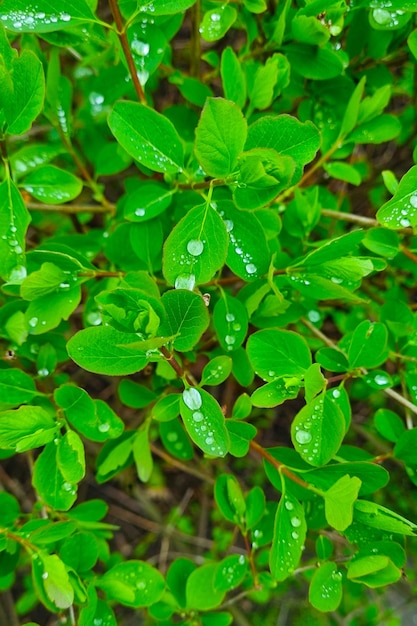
(317, 431)
(220, 137)
(201, 591)
(276, 353)
(187, 318)
(325, 592)
(14, 220)
(289, 536)
(104, 350)
(147, 136)
(146, 202)
(47, 311)
(42, 16)
(204, 421)
(133, 583)
(401, 210)
(196, 248)
(368, 347)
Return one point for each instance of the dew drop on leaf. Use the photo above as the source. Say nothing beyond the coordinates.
(185, 281)
(195, 247)
(302, 436)
(192, 398)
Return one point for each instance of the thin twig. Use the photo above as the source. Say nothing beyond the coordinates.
(72, 208)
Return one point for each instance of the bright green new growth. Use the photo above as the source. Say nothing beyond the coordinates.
(208, 387)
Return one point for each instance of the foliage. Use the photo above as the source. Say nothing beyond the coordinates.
(208, 264)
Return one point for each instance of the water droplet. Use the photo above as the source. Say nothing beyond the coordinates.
(33, 322)
(104, 428)
(230, 339)
(295, 534)
(45, 575)
(302, 436)
(313, 316)
(336, 393)
(172, 436)
(94, 318)
(67, 486)
(43, 372)
(209, 440)
(288, 505)
(230, 317)
(295, 522)
(195, 247)
(140, 47)
(198, 417)
(229, 225)
(140, 212)
(381, 379)
(337, 575)
(17, 274)
(192, 398)
(251, 268)
(185, 281)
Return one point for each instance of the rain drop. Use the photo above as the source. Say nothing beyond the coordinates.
(251, 268)
(140, 212)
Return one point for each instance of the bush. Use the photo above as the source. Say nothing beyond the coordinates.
(208, 270)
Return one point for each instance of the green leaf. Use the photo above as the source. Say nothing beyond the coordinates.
(381, 518)
(378, 130)
(47, 312)
(230, 572)
(275, 353)
(133, 583)
(80, 551)
(230, 321)
(339, 500)
(275, 392)
(92, 418)
(16, 387)
(220, 137)
(175, 439)
(14, 220)
(289, 536)
(368, 347)
(288, 137)
(55, 581)
(204, 421)
(317, 431)
(383, 242)
(314, 382)
(247, 255)
(325, 592)
(314, 62)
(240, 434)
(104, 350)
(187, 318)
(177, 575)
(146, 202)
(164, 7)
(196, 248)
(405, 448)
(230, 499)
(217, 22)
(391, 427)
(142, 453)
(22, 90)
(52, 185)
(42, 16)
(233, 77)
(70, 457)
(134, 395)
(166, 408)
(268, 80)
(25, 428)
(255, 506)
(401, 210)
(343, 171)
(147, 136)
(43, 281)
(49, 481)
(216, 371)
(350, 116)
(201, 593)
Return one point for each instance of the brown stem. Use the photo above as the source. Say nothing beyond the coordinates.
(176, 366)
(181, 466)
(279, 466)
(251, 561)
(121, 33)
